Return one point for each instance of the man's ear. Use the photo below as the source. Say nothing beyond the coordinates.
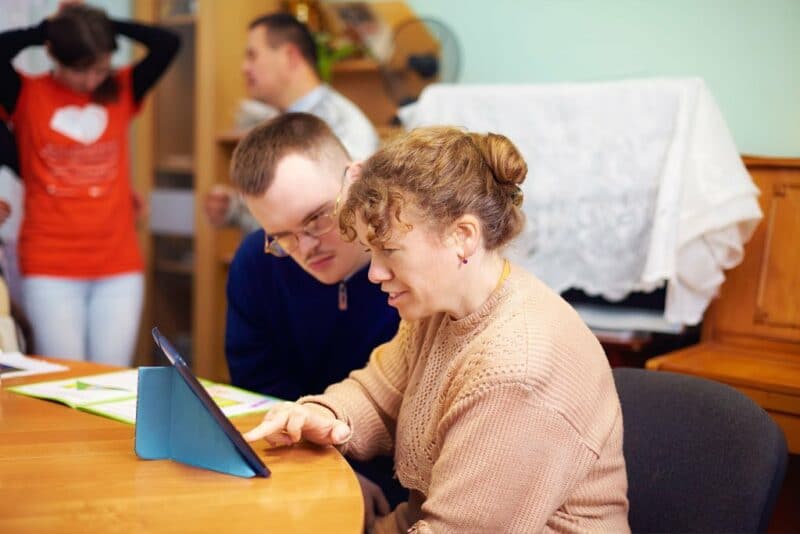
(292, 55)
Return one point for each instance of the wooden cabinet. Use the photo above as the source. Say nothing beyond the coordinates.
(751, 332)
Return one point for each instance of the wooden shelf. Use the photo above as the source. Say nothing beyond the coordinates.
(176, 163)
(174, 21)
(174, 266)
(230, 137)
(355, 65)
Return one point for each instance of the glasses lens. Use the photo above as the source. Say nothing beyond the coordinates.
(284, 245)
(275, 248)
(320, 224)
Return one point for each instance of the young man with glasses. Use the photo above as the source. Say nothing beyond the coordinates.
(301, 312)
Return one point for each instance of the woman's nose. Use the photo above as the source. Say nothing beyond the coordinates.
(378, 273)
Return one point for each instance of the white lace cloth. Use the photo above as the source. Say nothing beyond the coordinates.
(631, 184)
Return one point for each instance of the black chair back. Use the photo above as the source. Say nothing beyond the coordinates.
(700, 456)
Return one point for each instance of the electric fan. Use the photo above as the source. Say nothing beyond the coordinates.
(422, 51)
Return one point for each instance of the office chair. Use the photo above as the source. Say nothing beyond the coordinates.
(700, 456)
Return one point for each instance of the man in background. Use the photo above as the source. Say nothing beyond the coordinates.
(280, 70)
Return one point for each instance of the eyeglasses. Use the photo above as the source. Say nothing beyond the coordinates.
(317, 226)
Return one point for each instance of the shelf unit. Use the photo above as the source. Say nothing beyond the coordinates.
(176, 152)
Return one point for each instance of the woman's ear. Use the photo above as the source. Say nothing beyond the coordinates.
(466, 231)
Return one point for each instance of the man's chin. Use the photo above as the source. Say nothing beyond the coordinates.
(325, 271)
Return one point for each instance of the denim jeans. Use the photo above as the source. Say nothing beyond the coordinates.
(85, 319)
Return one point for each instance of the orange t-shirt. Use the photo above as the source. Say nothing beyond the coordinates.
(73, 153)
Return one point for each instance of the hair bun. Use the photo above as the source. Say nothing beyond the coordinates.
(502, 157)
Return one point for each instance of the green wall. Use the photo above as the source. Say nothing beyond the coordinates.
(748, 51)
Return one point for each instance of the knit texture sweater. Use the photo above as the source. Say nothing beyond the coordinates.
(506, 420)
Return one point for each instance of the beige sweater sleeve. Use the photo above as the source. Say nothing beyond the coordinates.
(495, 473)
(369, 399)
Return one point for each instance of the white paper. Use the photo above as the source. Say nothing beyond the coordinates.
(14, 364)
(86, 390)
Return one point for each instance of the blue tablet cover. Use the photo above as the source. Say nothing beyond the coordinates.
(172, 423)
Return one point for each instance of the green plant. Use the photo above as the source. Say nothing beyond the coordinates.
(330, 50)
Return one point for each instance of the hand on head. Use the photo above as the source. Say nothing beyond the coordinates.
(5, 210)
(217, 202)
(66, 3)
(289, 422)
(140, 206)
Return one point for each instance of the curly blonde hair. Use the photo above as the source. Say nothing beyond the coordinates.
(444, 173)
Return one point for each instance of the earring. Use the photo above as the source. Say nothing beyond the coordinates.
(464, 260)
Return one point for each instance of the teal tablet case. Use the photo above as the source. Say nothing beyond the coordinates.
(172, 423)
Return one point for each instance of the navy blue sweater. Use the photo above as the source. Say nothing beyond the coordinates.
(285, 335)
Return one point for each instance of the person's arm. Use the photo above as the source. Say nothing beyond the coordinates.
(507, 463)
(12, 42)
(368, 401)
(255, 360)
(161, 44)
(8, 149)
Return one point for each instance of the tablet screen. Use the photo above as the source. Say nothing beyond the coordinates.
(236, 438)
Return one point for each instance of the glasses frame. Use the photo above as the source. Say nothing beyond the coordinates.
(271, 245)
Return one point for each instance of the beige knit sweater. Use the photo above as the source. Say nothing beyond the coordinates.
(506, 420)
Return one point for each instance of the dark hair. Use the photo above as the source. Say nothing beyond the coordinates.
(79, 35)
(256, 156)
(445, 172)
(284, 28)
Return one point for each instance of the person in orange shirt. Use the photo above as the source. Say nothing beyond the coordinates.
(78, 250)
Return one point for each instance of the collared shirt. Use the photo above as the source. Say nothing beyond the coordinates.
(347, 121)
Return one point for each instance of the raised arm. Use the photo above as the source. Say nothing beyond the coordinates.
(12, 42)
(161, 44)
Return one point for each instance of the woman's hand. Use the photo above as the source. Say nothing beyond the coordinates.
(289, 422)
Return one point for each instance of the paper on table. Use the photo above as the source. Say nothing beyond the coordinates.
(113, 395)
(85, 390)
(14, 364)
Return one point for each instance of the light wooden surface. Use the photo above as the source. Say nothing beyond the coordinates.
(751, 332)
(62, 470)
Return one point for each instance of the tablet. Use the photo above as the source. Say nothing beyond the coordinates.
(236, 438)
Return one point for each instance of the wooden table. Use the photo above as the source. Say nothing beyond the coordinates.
(68, 471)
